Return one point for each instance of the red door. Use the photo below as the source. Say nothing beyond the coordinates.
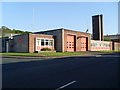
(83, 43)
(70, 43)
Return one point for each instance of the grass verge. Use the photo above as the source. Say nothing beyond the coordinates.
(56, 54)
(50, 54)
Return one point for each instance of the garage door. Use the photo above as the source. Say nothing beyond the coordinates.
(83, 44)
(70, 43)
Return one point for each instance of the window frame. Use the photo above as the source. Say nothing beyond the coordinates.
(49, 40)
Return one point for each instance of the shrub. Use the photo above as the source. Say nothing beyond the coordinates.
(107, 39)
(45, 49)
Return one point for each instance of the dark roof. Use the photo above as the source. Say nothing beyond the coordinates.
(76, 31)
(49, 30)
(61, 29)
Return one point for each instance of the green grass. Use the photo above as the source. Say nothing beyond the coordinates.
(43, 54)
(20, 54)
(56, 54)
(61, 53)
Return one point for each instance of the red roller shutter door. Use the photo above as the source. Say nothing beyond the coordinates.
(83, 43)
(70, 43)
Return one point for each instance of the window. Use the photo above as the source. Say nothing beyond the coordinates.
(91, 44)
(38, 41)
(46, 42)
(50, 42)
(42, 42)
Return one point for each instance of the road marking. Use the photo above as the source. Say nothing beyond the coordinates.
(107, 56)
(98, 55)
(65, 85)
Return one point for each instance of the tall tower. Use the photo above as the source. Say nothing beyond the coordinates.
(97, 26)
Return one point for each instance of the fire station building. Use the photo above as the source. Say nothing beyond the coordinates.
(60, 40)
(66, 40)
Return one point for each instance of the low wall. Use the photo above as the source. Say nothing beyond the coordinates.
(100, 45)
(116, 46)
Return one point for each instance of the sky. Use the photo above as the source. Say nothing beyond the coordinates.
(119, 17)
(40, 16)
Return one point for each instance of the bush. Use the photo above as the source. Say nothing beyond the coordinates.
(107, 39)
(45, 49)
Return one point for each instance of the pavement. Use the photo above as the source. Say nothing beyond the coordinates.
(99, 71)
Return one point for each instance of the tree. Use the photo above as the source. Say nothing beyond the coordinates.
(107, 39)
(5, 30)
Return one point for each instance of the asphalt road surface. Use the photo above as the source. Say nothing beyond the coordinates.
(15, 60)
(62, 73)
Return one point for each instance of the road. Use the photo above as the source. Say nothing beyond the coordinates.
(15, 60)
(70, 72)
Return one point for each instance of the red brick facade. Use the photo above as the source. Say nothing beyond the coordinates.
(100, 45)
(81, 40)
(32, 40)
(64, 40)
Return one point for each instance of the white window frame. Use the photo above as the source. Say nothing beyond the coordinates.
(36, 44)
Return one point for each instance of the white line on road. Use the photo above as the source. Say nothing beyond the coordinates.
(65, 85)
(107, 56)
(98, 55)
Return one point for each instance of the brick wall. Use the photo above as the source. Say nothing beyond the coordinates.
(77, 40)
(60, 36)
(20, 43)
(57, 33)
(11, 45)
(32, 38)
(100, 45)
(116, 46)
